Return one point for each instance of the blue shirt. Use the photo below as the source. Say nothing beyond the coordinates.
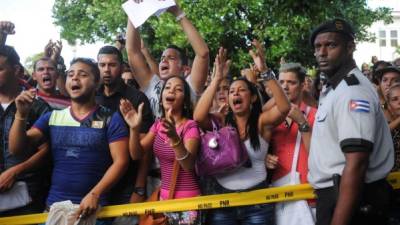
(80, 150)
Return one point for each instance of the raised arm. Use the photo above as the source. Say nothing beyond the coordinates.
(153, 64)
(201, 60)
(6, 28)
(203, 106)
(53, 51)
(134, 120)
(297, 115)
(136, 58)
(19, 138)
(185, 149)
(277, 113)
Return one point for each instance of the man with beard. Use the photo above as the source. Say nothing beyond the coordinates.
(351, 150)
(88, 142)
(131, 187)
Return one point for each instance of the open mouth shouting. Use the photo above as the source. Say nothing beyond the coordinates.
(222, 99)
(170, 99)
(46, 81)
(75, 88)
(164, 68)
(237, 102)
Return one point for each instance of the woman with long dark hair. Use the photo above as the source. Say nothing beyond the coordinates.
(253, 127)
(174, 137)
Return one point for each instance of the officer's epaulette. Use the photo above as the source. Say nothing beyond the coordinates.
(351, 80)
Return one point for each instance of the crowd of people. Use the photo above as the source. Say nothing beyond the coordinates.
(112, 131)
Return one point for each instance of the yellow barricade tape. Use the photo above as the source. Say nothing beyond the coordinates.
(268, 195)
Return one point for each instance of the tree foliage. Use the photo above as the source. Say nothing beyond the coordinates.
(32, 59)
(283, 25)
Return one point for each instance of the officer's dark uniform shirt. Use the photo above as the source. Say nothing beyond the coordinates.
(349, 119)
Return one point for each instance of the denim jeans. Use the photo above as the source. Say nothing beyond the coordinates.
(262, 214)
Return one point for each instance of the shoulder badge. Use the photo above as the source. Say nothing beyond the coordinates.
(351, 80)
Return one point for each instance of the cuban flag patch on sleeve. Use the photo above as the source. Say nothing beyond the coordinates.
(359, 106)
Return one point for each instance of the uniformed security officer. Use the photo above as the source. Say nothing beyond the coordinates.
(351, 148)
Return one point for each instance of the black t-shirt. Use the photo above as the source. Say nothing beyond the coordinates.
(134, 96)
(112, 102)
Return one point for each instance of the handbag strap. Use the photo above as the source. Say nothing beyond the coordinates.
(175, 173)
(296, 152)
(174, 178)
(214, 125)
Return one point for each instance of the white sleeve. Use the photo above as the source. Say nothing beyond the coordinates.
(355, 116)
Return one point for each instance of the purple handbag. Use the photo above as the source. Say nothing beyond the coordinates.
(221, 151)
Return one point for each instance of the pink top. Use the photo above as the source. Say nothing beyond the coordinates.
(186, 184)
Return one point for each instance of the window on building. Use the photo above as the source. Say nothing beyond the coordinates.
(393, 38)
(382, 38)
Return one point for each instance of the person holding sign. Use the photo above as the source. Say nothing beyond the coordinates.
(173, 61)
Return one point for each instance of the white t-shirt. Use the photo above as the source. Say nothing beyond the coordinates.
(153, 92)
(247, 177)
(5, 106)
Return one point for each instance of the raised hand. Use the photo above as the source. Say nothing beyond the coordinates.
(223, 109)
(56, 50)
(48, 49)
(258, 56)
(221, 64)
(296, 114)
(7, 27)
(24, 103)
(169, 127)
(132, 117)
(250, 74)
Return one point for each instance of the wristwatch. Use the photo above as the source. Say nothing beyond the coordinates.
(141, 191)
(268, 75)
(304, 127)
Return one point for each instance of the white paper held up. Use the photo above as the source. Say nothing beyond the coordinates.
(138, 13)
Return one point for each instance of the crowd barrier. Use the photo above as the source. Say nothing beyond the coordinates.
(267, 195)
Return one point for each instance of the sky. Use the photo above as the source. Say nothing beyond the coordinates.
(34, 28)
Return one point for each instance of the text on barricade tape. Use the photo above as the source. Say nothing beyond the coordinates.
(267, 195)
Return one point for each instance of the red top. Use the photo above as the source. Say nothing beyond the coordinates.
(283, 142)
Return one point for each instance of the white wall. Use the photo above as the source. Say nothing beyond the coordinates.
(365, 50)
